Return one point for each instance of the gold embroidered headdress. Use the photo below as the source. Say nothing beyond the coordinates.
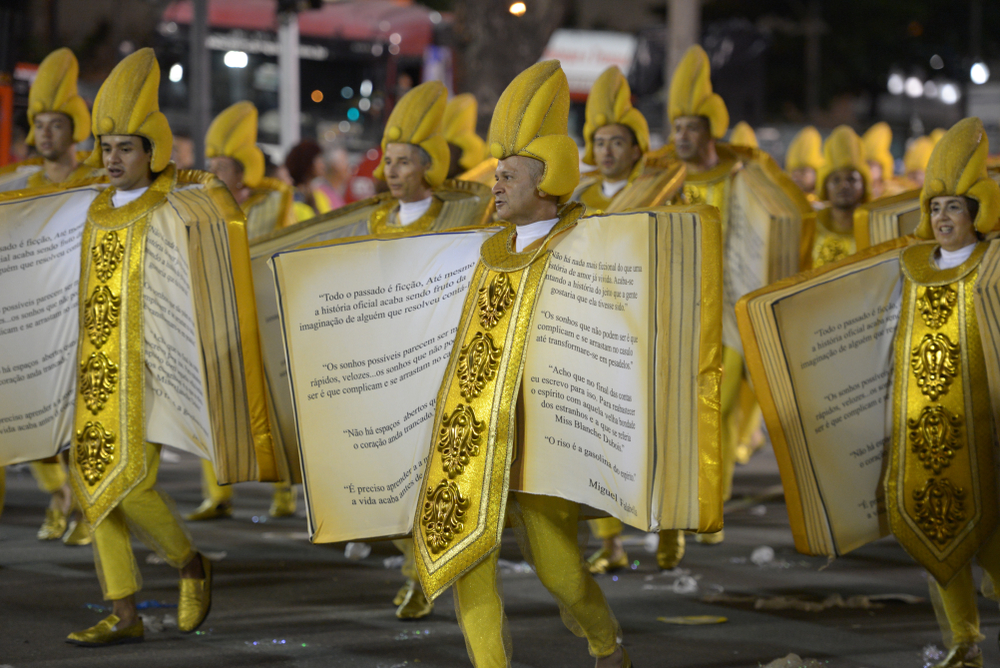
(128, 104)
(691, 92)
(876, 142)
(843, 150)
(233, 133)
(530, 120)
(459, 128)
(806, 150)
(416, 119)
(610, 103)
(54, 90)
(957, 167)
(743, 135)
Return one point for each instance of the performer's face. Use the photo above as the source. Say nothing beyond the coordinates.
(952, 223)
(229, 172)
(516, 191)
(805, 178)
(615, 151)
(404, 173)
(845, 188)
(692, 136)
(53, 134)
(126, 161)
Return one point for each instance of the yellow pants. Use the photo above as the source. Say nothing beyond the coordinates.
(50, 477)
(211, 489)
(547, 529)
(409, 569)
(150, 515)
(605, 527)
(732, 378)
(956, 603)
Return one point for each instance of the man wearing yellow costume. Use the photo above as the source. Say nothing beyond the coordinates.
(536, 174)
(458, 127)
(845, 183)
(804, 159)
(876, 142)
(234, 157)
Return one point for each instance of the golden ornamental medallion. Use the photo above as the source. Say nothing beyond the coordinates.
(94, 451)
(935, 364)
(442, 515)
(692, 195)
(107, 256)
(477, 365)
(940, 509)
(936, 304)
(494, 300)
(100, 314)
(935, 436)
(458, 439)
(832, 249)
(98, 376)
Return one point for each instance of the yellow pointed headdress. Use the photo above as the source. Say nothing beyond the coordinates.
(128, 104)
(233, 133)
(936, 135)
(843, 150)
(917, 155)
(691, 92)
(531, 119)
(743, 135)
(957, 168)
(54, 90)
(459, 128)
(416, 119)
(806, 150)
(876, 142)
(610, 102)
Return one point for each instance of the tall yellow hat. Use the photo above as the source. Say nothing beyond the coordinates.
(691, 92)
(610, 102)
(233, 133)
(876, 142)
(459, 128)
(843, 150)
(743, 135)
(416, 119)
(936, 135)
(54, 90)
(128, 104)
(806, 150)
(957, 167)
(917, 155)
(531, 119)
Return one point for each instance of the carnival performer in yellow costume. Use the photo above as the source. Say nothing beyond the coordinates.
(876, 142)
(456, 533)
(804, 159)
(915, 159)
(743, 135)
(234, 157)
(114, 468)
(458, 127)
(844, 182)
(940, 484)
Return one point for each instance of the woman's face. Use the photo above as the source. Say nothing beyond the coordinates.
(952, 223)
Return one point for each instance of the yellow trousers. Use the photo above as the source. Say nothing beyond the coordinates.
(409, 569)
(956, 603)
(150, 516)
(605, 527)
(546, 527)
(50, 476)
(211, 489)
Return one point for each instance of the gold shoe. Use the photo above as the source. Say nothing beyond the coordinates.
(107, 633)
(401, 594)
(670, 550)
(195, 600)
(283, 503)
(54, 525)
(601, 563)
(414, 604)
(210, 510)
(959, 657)
(77, 533)
(710, 538)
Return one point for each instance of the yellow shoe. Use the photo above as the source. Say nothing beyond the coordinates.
(414, 604)
(401, 594)
(77, 533)
(210, 510)
(710, 538)
(54, 525)
(195, 600)
(283, 503)
(107, 633)
(962, 655)
(600, 562)
(670, 550)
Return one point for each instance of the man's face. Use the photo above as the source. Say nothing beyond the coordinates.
(875, 170)
(53, 134)
(516, 190)
(845, 188)
(692, 136)
(952, 223)
(229, 172)
(615, 152)
(404, 172)
(125, 161)
(805, 178)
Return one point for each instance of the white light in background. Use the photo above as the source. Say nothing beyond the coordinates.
(176, 72)
(896, 84)
(937, 62)
(365, 104)
(914, 87)
(365, 88)
(235, 59)
(930, 90)
(949, 93)
(979, 73)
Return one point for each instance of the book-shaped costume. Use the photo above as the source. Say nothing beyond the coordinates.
(620, 377)
(653, 182)
(883, 354)
(886, 218)
(456, 204)
(153, 338)
(268, 208)
(30, 173)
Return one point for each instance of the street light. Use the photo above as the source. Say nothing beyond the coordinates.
(235, 59)
(914, 87)
(979, 73)
(176, 72)
(949, 93)
(896, 84)
(518, 9)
